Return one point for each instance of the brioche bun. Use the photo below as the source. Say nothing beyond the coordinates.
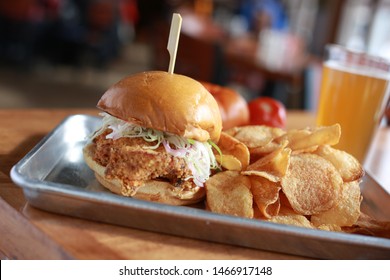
(167, 102)
(153, 190)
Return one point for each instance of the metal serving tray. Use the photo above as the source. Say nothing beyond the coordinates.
(55, 178)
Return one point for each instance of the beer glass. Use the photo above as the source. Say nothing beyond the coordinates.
(354, 91)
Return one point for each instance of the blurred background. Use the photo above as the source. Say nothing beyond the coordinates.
(65, 53)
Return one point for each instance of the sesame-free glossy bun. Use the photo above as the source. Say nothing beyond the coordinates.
(167, 102)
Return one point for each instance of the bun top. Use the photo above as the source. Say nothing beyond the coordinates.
(166, 102)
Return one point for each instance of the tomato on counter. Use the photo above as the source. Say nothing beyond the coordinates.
(267, 111)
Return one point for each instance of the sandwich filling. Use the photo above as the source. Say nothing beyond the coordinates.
(137, 154)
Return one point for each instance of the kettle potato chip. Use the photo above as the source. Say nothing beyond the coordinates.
(349, 167)
(306, 140)
(366, 225)
(289, 217)
(229, 193)
(266, 195)
(275, 163)
(234, 148)
(229, 162)
(346, 211)
(290, 177)
(312, 184)
(255, 135)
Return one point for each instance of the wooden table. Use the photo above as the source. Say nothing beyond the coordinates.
(29, 233)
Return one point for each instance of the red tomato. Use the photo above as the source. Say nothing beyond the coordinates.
(233, 107)
(267, 111)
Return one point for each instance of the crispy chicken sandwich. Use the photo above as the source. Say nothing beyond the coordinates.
(157, 138)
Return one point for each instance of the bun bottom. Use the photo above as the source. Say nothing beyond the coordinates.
(152, 190)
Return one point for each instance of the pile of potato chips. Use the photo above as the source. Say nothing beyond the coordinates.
(291, 177)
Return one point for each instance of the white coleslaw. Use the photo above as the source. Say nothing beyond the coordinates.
(198, 156)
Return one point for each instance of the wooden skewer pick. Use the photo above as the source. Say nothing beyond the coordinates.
(173, 40)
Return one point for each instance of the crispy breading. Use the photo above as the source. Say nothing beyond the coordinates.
(130, 160)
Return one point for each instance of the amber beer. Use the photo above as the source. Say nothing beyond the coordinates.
(353, 94)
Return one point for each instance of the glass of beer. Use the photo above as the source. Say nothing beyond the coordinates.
(355, 88)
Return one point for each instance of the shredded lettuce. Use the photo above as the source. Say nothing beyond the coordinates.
(198, 156)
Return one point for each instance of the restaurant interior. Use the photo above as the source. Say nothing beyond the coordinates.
(65, 53)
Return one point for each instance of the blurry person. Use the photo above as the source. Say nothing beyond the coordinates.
(264, 14)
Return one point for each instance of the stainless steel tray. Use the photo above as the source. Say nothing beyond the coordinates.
(55, 178)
